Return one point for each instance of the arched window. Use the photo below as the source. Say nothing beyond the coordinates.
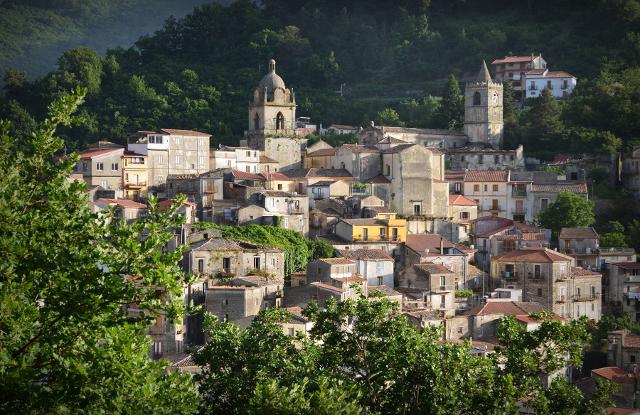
(279, 121)
(256, 122)
(476, 98)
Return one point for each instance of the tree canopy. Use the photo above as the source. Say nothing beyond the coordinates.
(568, 211)
(67, 342)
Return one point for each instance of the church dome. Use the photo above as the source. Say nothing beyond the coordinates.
(271, 81)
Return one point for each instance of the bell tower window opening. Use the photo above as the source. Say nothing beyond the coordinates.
(279, 121)
(476, 98)
(256, 122)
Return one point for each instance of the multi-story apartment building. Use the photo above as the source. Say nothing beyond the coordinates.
(551, 279)
(171, 151)
(582, 244)
(436, 283)
(373, 264)
(102, 167)
(239, 158)
(513, 69)
(134, 175)
(292, 207)
(490, 189)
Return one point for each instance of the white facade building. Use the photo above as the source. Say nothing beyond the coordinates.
(560, 83)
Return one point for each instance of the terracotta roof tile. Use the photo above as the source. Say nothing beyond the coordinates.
(543, 255)
(512, 308)
(267, 160)
(323, 152)
(88, 154)
(421, 242)
(243, 175)
(172, 131)
(357, 148)
(578, 233)
(328, 287)
(337, 261)
(343, 127)
(486, 176)
(578, 272)
(614, 374)
(373, 254)
(431, 268)
(460, 200)
(379, 179)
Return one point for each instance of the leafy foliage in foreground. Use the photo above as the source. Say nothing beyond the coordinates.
(66, 343)
(299, 251)
(362, 356)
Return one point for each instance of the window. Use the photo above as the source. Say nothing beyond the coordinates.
(443, 301)
(496, 159)
(291, 331)
(536, 270)
(178, 159)
(200, 265)
(632, 358)
(480, 159)
(460, 328)
(416, 208)
(247, 169)
(380, 280)
(256, 262)
(476, 98)
(248, 154)
(114, 166)
(157, 348)
(279, 186)
(544, 203)
(495, 187)
(485, 187)
(225, 302)
(365, 234)
(383, 233)
(387, 170)
(549, 86)
(201, 161)
(100, 166)
(510, 74)
(443, 282)
(593, 292)
(84, 166)
(226, 265)
(226, 318)
(539, 292)
(494, 204)
(464, 215)
(476, 187)
(279, 121)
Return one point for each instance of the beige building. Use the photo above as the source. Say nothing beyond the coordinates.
(582, 244)
(551, 279)
(490, 189)
(361, 161)
(417, 181)
(436, 283)
(171, 151)
(102, 167)
(323, 158)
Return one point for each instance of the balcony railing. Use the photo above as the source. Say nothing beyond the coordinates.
(520, 211)
(561, 299)
(533, 276)
(562, 277)
(586, 297)
(519, 193)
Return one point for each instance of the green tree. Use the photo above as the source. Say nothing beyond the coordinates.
(451, 113)
(390, 117)
(68, 344)
(568, 211)
(81, 67)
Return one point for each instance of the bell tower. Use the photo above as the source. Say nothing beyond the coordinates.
(483, 121)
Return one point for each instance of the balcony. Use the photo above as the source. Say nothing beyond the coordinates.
(632, 278)
(508, 275)
(562, 299)
(519, 193)
(532, 88)
(138, 185)
(586, 297)
(519, 211)
(532, 276)
(562, 277)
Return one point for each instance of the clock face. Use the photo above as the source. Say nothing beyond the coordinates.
(494, 99)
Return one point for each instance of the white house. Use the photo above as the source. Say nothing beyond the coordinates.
(560, 83)
(239, 158)
(373, 264)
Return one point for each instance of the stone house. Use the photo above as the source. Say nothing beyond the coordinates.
(224, 258)
(171, 151)
(342, 129)
(297, 323)
(325, 189)
(102, 167)
(279, 181)
(375, 265)
(551, 279)
(476, 156)
(436, 283)
(305, 177)
(268, 165)
(432, 248)
(293, 208)
(380, 187)
(124, 208)
(623, 349)
(325, 269)
(417, 181)
(240, 299)
(361, 161)
(582, 244)
(623, 288)
(202, 189)
(323, 158)
(372, 229)
(444, 139)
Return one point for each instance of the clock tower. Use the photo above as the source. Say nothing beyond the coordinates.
(483, 122)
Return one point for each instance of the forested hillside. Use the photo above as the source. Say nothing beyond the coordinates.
(34, 33)
(392, 59)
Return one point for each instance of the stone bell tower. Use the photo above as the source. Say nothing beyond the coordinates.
(272, 121)
(483, 121)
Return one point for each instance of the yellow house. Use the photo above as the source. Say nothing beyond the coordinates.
(134, 175)
(372, 229)
(279, 181)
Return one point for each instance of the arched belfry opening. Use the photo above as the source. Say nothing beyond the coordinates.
(279, 121)
(256, 122)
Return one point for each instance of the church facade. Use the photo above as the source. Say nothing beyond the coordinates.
(478, 146)
(272, 121)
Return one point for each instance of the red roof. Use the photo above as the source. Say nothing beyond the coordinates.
(337, 261)
(612, 410)
(276, 176)
(505, 307)
(328, 287)
(323, 152)
(379, 179)
(421, 242)
(133, 154)
(451, 175)
(530, 320)
(487, 176)
(532, 255)
(264, 159)
(243, 175)
(513, 59)
(373, 254)
(613, 373)
(166, 204)
(459, 200)
(584, 273)
(88, 154)
(432, 268)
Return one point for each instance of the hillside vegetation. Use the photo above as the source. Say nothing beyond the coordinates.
(392, 60)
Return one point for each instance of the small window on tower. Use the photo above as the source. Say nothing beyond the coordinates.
(476, 98)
